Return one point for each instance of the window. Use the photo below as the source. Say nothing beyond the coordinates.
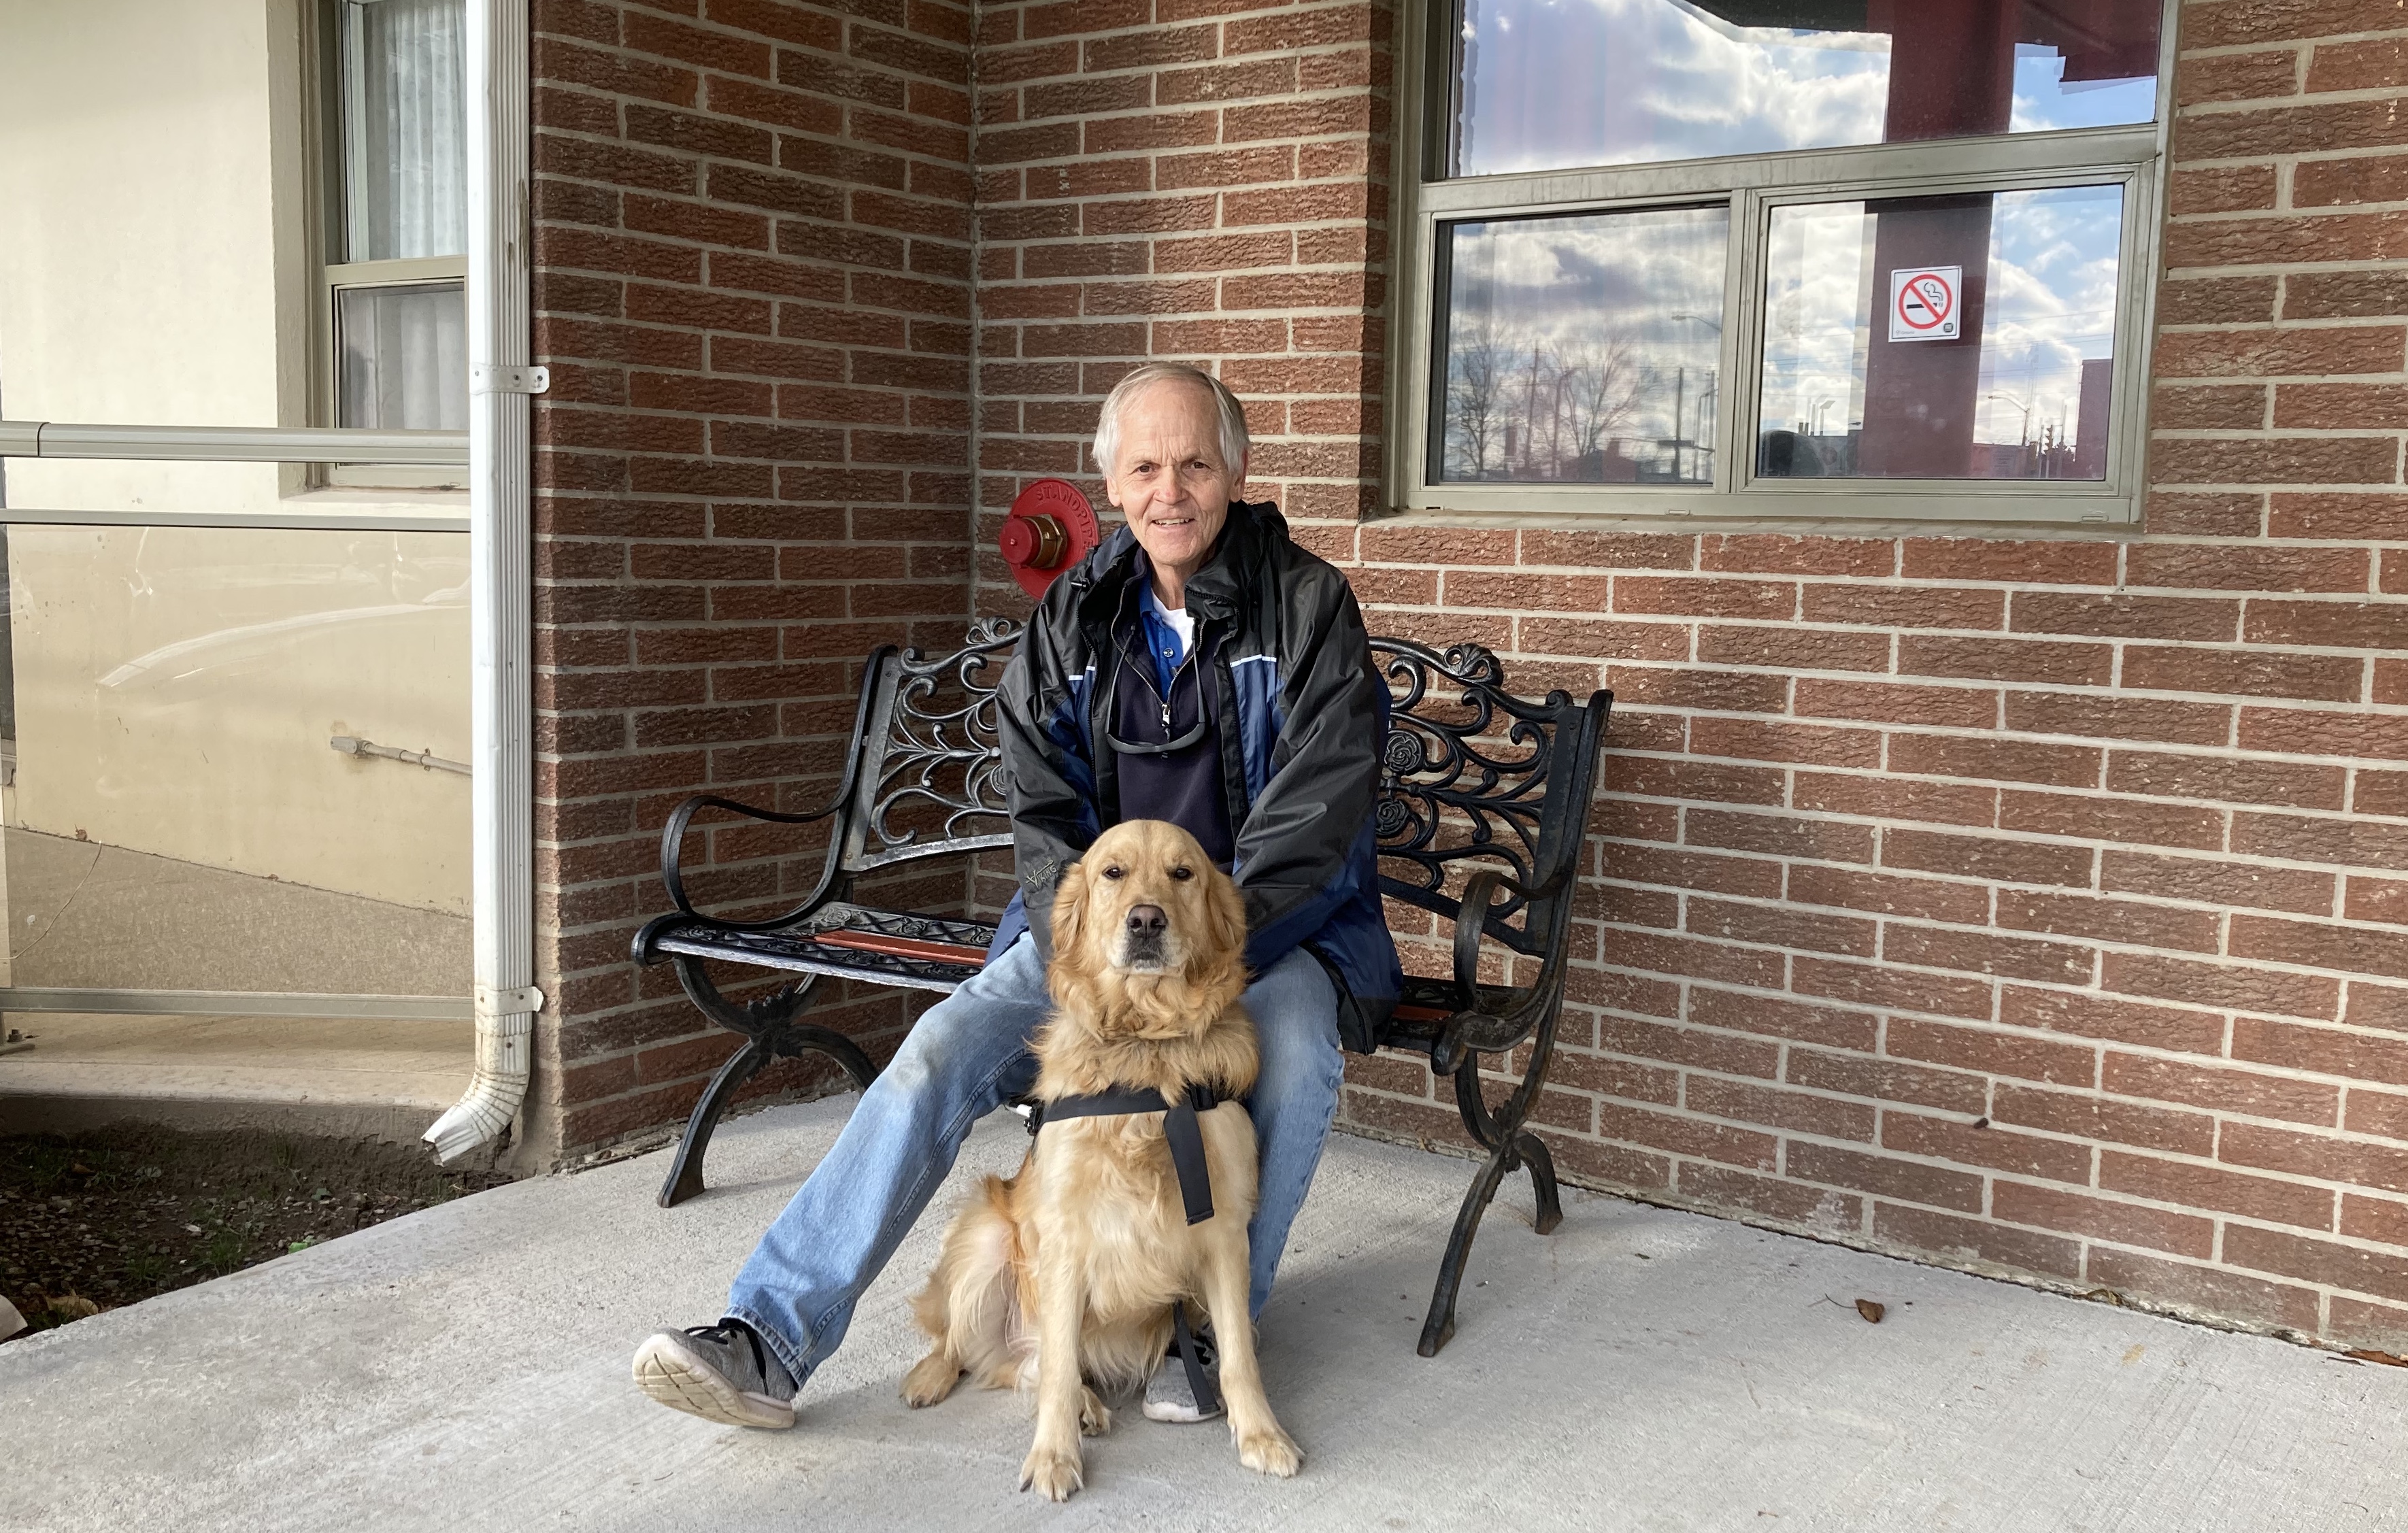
(1781, 258)
(391, 301)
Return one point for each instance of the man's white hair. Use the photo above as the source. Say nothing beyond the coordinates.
(1234, 441)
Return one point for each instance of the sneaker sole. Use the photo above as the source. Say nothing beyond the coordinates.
(682, 1381)
(1178, 1416)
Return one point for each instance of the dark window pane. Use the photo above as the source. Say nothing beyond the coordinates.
(1582, 347)
(1549, 84)
(1965, 336)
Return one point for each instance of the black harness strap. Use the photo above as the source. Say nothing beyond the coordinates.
(1185, 1137)
(1180, 1128)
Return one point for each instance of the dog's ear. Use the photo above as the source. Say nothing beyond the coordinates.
(1071, 909)
(1226, 911)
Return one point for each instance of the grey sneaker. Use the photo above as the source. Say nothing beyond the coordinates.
(720, 1373)
(1169, 1396)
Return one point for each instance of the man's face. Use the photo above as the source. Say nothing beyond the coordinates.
(1170, 482)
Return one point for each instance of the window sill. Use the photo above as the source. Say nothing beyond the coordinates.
(1869, 523)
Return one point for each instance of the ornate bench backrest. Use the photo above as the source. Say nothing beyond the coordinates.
(928, 779)
(1471, 775)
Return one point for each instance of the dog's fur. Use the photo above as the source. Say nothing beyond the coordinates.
(1062, 1278)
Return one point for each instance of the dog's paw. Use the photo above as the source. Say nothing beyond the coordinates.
(1269, 1451)
(1094, 1417)
(931, 1378)
(1055, 1475)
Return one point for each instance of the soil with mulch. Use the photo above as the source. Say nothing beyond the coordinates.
(91, 1221)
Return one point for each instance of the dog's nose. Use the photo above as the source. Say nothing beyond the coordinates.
(1147, 920)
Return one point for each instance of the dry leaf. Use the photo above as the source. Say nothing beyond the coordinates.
(2368, 1354)
(1871, 1312)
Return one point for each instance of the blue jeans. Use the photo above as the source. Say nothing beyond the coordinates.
(965, 1058)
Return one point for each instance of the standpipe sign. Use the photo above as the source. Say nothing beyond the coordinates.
(1922, 302)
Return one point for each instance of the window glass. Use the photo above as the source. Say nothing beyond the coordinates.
(1968, 337)
(1552, 84)
(404, 351)
(1582, 347)
(405, 115)
(195, 805)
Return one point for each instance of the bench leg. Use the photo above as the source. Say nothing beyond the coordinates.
(770, 1032)
(1533, 1151)
(1440, 1326)
(685, 1170)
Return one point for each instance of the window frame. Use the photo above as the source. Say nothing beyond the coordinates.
(327, 130)
(1751, 186)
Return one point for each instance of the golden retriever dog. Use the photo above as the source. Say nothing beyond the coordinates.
(1062, 1278)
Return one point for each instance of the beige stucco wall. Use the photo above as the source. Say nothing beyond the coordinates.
(176, 688)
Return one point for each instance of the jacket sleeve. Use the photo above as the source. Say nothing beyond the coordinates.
(1052, 783)
(1296, 861)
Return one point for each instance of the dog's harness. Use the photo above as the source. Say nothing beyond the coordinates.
(1185, 1137)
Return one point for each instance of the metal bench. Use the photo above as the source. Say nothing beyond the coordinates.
(1482, 803)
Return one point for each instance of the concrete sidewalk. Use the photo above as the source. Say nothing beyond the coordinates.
(467, 1367)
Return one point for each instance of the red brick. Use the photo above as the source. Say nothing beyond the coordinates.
(1995, 1054)
(1904, 606)
(2103, 1219)
(1885, 702)
(1886, 1081)
(2197, 1186)
(1930, 900)
(1829, 1026)
(1995, 1149)
(1681, 1136)
(1883, 797)
(1997, 760)
(2108, 920)
(2322, 1051)
(2083, 1116)
(2007, 660)
(1982, 858)
(1980, 953)
(2243, 673)
(2227, 1296)
(2108, 818)
(1885, 1175)
(2015, 561)
(2232, 1091)
(2087, 1015)
(2344, 625)
(2382, 1273)
(1769, 1106)
(1974, 1240)
(2322, 1156)
(1768, 1198)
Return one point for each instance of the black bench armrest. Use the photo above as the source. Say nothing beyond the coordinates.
(672, 846)
(1472, 1030)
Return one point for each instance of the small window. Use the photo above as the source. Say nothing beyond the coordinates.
(393, 286)
(1767, 258)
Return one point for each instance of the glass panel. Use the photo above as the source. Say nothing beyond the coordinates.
(1582, 347)
(176, 819)
(405, 116)
(1942, 337)
(1551, 84)
(405, 358)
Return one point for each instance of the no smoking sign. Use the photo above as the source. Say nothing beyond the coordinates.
(1922, 302)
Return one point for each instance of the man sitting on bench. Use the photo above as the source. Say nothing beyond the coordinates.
(1199, 668)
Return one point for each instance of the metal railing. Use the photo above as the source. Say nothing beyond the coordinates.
(234, 444)
(246, 444)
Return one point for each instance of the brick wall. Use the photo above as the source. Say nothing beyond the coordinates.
(753, 242)
(2034, 907)
(1195, 180)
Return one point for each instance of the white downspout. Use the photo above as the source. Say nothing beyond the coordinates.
(500, 577)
